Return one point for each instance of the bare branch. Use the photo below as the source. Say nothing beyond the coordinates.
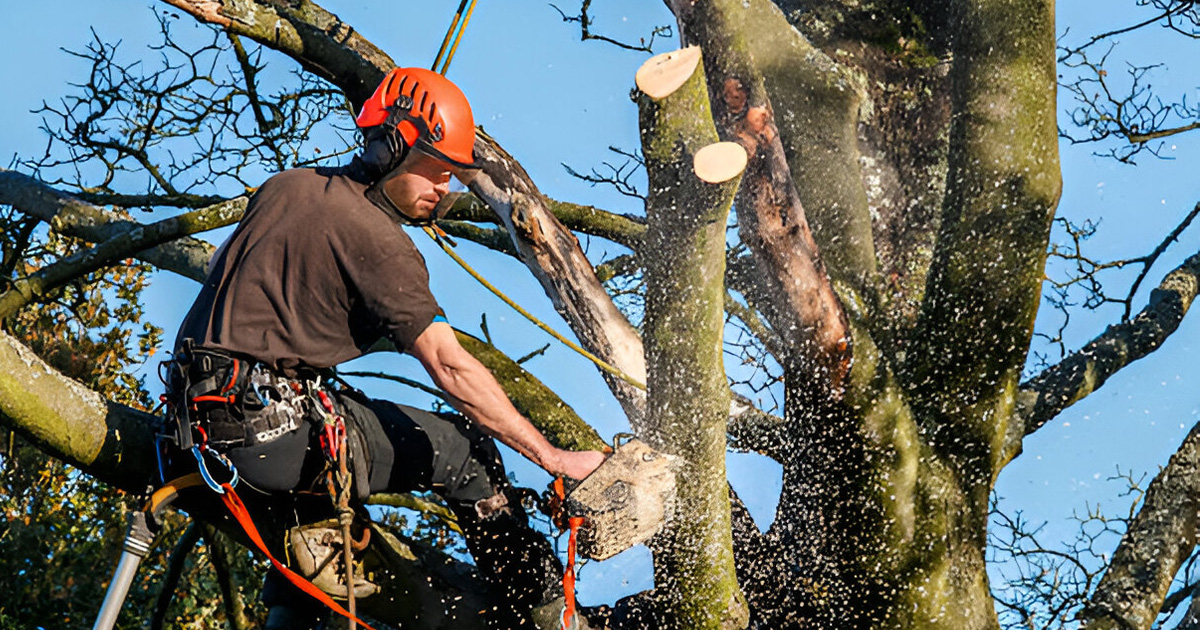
(124, 245)
(1049, 393)
(1159, 539)
(1169, 10)
(617, 176)
(71, 217)
(1134, 114)
(1149, 260)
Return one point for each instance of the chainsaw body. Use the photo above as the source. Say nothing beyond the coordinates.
(625, 501)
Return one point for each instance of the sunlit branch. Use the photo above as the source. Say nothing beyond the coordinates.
(1050, 392)
(125, 245)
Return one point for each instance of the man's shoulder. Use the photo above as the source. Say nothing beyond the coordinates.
(335, 180)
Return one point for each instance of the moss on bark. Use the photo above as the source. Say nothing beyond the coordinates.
(687, 392)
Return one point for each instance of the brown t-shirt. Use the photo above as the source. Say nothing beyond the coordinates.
(314, 274)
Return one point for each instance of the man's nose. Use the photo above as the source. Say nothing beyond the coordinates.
(442, 189)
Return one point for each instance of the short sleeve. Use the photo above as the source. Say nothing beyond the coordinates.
(388, 274)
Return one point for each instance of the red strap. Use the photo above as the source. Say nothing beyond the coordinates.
(239, 512)
(569, 574)
(573, 523)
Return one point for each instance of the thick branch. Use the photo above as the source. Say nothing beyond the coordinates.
(688, 408)
(1075, 377)
(816, 104)
(553, 417)
(752, 429)
(553, 255)
(1159, 539)
(71, 217)
(619, 228)
(1002, 188)
(49, 278)
(771, 219)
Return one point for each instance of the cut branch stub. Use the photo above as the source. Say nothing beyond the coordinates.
(797, 296)
(719, 162)
(663, 74)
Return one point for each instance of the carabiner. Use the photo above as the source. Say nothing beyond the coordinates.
(208, 478)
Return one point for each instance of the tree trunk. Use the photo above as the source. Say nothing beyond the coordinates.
(688, 395)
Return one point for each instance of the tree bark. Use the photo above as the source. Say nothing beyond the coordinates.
(687, 391)
(816, 103)
(805, 310)
(1003, 188)
(1159, 540)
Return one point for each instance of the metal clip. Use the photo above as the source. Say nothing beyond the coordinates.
(208, 478)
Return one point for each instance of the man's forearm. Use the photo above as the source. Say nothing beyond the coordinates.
(475, 393)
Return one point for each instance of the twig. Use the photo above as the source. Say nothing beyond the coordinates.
(1149, 260)
(585, 33)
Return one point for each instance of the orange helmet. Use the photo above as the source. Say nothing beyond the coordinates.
(428, 111)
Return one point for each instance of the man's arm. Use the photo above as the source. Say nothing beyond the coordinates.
(478, 396)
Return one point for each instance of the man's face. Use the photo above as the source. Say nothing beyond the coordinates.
(418, 184)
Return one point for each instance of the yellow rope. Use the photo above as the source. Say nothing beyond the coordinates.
(457, 39)
(449, 33)
(537, 322)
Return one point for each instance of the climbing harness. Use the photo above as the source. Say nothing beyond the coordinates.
(440, 238)
(227, 381)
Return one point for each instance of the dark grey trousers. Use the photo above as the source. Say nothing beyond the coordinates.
(408, 449)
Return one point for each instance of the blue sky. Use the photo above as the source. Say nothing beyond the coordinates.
(550, 99)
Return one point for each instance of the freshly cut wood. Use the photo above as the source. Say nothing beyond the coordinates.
(719, 162)
(662, 74)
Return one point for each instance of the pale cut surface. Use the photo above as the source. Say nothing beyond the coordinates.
(662, 74)
(719, 162)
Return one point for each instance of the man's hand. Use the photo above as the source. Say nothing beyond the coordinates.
(577, 464)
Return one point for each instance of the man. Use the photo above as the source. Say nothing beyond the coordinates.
(318, 271)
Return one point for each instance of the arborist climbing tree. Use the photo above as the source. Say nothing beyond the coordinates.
(319, 270)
